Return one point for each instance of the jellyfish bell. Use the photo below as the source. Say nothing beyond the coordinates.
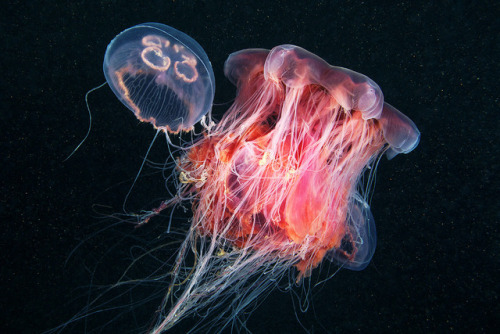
(350, 89)
(162, 75)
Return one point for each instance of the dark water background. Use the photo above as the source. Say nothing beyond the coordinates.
(436, 268)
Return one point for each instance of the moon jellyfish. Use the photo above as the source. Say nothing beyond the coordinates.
(162, 75)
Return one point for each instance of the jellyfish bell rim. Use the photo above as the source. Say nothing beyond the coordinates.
(240, 63)
(362, 226)
(399, 130)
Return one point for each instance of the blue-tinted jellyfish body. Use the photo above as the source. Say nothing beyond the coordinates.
(162, 75)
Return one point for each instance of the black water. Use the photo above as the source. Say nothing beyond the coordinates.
(436, 267)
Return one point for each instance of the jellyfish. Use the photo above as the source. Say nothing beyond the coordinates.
(162, 75)
(276, 186)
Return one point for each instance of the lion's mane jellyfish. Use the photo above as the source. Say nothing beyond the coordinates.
(277, 185)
